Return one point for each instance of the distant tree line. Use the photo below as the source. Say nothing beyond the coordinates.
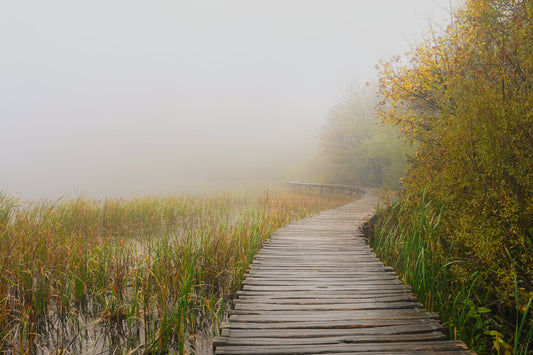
(357, 149)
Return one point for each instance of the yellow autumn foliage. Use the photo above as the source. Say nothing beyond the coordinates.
(467, 97)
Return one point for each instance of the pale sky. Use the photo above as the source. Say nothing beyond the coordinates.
(127, 97)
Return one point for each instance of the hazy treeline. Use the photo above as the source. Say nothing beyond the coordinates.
(465, 96)
(357, 150)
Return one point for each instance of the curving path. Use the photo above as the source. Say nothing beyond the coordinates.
(316, 287)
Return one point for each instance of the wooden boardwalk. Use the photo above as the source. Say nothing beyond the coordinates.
(316, 288)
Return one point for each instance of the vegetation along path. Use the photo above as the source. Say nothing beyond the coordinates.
(317, 287)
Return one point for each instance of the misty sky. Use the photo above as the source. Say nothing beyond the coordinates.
(126, 97)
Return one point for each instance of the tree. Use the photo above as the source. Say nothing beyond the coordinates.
(360, 151)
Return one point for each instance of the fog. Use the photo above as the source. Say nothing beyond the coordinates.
(130, 97)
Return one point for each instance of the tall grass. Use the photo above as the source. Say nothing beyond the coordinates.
(408, 239)
(122, 275)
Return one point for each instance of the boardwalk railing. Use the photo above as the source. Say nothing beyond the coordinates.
(325, 189)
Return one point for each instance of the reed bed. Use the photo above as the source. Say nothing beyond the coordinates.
(144, 275)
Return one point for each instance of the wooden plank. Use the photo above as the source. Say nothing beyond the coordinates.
(311, 288)
(324, 324)
(319, 278)
(415, 352)
(342, 339)
(317, 273)
(323, 293)
(260, 300)
(334, 348)
(310, 332)
(333, 282)
(309, 270)
(332, 316)
(240, 306)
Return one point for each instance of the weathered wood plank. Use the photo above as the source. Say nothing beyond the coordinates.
(338, 339)
(335, 348)
(332, 316)
(321, 324)
(333, 282)
(310, 332)
(321, 293)
(249, 306)
(335, 278)
(311, 288)
(280, 298)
